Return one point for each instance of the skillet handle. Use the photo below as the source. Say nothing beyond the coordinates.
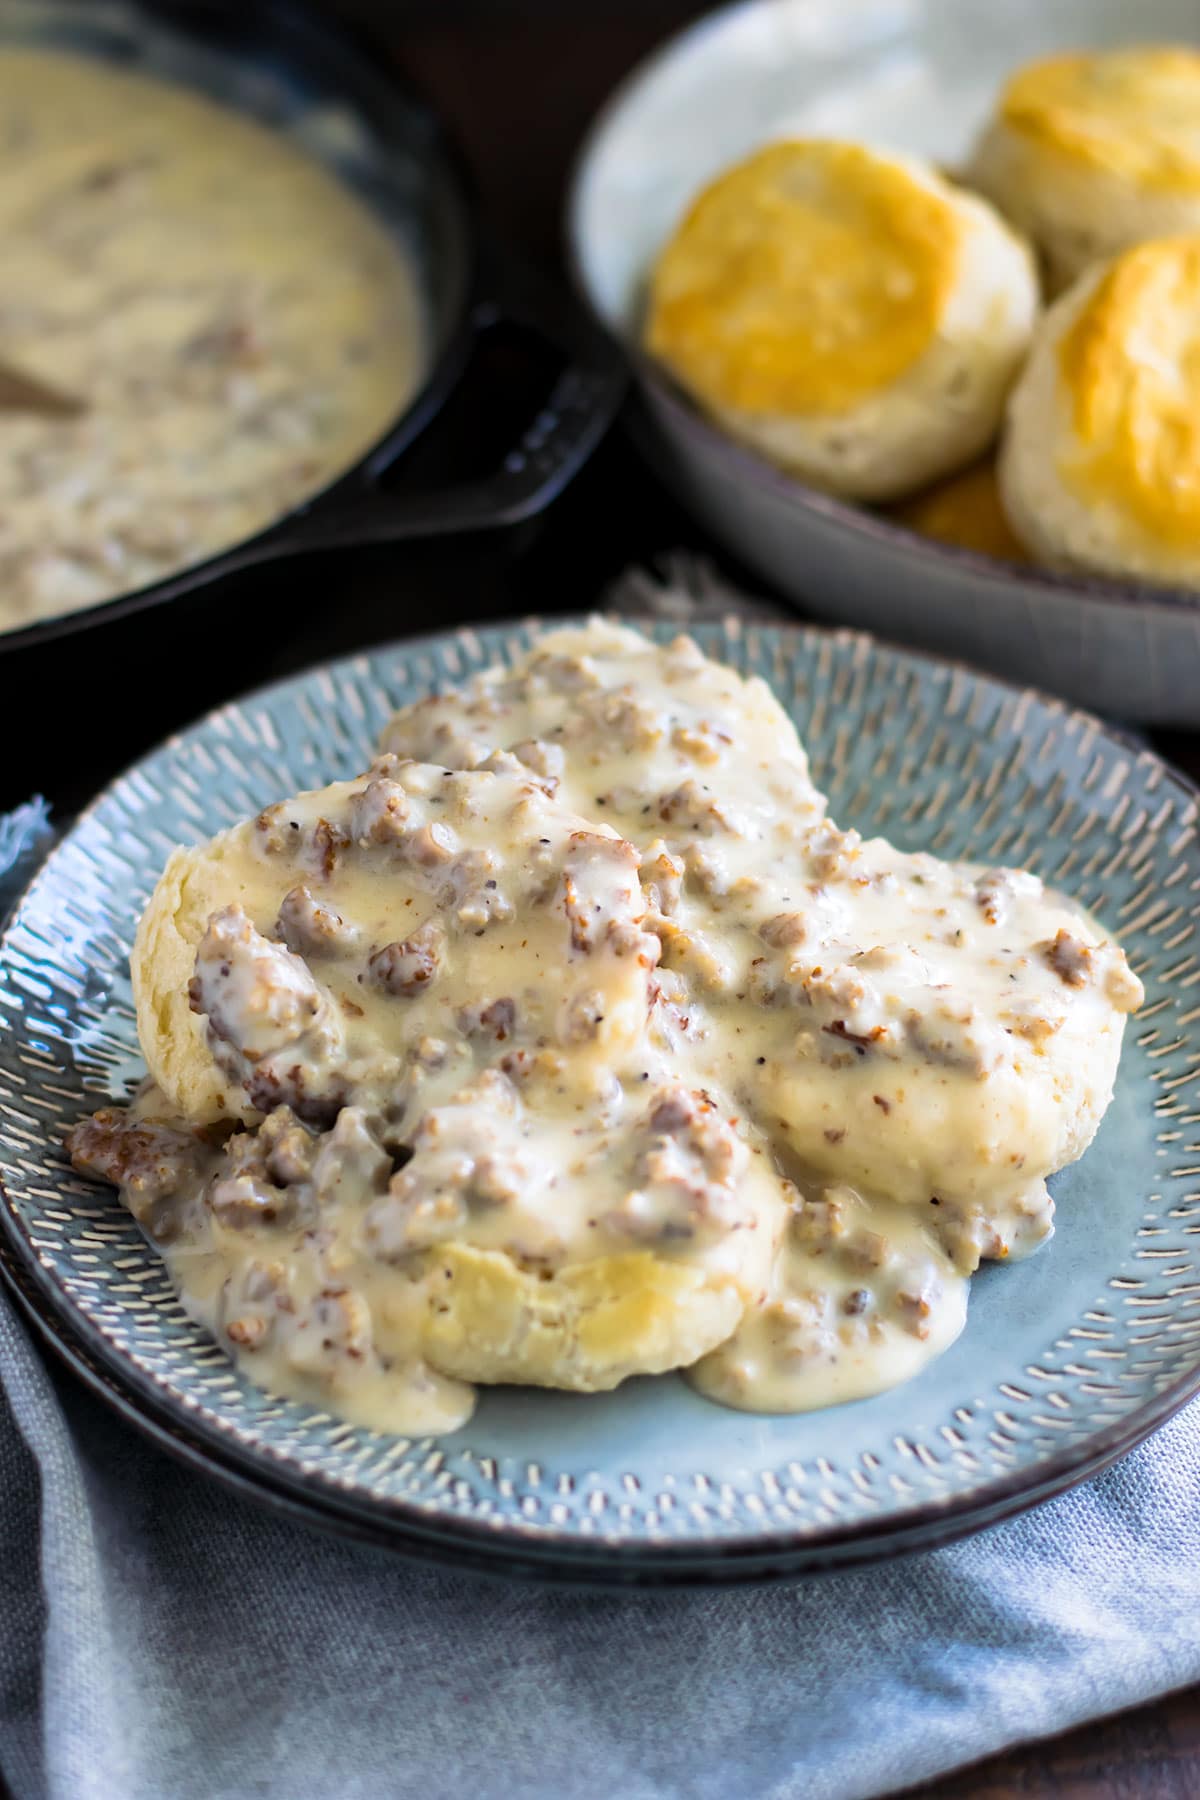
(544, 460)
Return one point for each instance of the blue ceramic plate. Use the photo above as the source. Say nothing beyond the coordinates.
(1067, 1360)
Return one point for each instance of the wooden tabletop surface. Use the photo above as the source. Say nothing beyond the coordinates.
(518, 84)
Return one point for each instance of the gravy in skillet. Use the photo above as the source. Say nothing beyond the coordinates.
(239, 325)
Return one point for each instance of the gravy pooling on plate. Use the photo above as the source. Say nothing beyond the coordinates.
(575, 1041)
(238, 324)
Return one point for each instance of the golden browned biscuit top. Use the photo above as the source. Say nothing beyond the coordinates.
(1130, 367)
(805, 279)
(965, 511)
(1133, 111)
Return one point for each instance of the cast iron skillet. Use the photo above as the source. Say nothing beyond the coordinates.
(278, 62)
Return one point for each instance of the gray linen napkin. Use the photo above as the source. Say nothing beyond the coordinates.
(161, 1639)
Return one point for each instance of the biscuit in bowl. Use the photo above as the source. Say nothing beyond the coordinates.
(965, 511)
(846, 312)
(1100, 462)
(1094, 151)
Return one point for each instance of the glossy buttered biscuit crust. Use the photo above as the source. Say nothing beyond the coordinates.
(1100, 464)
(1090, 152)
(966, 511)
(846, 312)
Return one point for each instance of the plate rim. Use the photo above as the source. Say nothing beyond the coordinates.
(798, 1548)
(493, 1560)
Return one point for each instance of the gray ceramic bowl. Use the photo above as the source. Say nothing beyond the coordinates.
(1066, 1360)
(919, 76)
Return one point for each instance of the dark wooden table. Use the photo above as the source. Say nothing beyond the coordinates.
(518, 84)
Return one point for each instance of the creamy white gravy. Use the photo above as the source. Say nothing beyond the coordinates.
(238, 325)
(594, 1047)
